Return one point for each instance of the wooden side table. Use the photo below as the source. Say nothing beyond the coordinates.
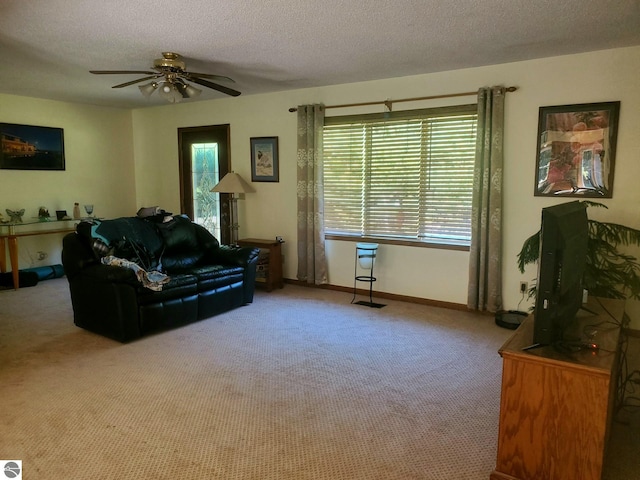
(269, 267)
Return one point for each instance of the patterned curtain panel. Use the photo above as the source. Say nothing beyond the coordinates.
(485, 276)
(312, 263)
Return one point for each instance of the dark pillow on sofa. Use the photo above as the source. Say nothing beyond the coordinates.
(179, 235)
(206, 240)
(181, 262)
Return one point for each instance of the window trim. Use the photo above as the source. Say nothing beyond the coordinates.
(401, 114)
(397, 241)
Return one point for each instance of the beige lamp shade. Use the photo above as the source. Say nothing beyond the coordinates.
(232, 183)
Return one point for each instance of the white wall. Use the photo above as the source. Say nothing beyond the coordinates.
(271, 210)
(98, 168)
(420, 272)
(101, 144)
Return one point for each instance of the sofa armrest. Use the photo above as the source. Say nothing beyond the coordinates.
(76, 255)
(105, 301)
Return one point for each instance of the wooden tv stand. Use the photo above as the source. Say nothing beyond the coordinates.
(556, 408)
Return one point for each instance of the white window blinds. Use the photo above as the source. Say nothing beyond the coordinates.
(407, 175)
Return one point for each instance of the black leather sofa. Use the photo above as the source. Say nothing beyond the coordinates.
(205, 278)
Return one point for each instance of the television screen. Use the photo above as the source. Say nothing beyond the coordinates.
(563, 253)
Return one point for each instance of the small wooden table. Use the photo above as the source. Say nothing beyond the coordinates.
(269, 268)
(9, 233)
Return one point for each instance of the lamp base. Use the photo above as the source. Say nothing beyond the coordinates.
(234, 220)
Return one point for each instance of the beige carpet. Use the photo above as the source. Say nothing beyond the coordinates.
(298, 385)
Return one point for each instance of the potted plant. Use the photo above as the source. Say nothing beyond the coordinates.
(609, 272)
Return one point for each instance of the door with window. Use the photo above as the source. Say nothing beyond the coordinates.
(204, 160)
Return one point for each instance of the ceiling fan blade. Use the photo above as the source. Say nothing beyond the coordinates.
(120, 72)
(215, 86)
(135, 81)
(209, 75)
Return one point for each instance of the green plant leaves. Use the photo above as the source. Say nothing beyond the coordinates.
(608, 273)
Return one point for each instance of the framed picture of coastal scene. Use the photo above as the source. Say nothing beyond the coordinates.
(264, 159)
(28, 147)
(576, 150)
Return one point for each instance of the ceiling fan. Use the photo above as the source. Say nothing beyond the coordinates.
(170, 77)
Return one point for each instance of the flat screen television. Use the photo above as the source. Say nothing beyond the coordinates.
(563, 254)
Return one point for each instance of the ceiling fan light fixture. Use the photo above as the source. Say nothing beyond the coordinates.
(192, 91)
(169, 92)
(172, 91)
(148, 89)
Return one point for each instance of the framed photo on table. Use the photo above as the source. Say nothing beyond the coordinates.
(27, 147)
(265, 163)
(576, 150)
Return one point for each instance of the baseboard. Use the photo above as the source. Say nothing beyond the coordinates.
(389, 296)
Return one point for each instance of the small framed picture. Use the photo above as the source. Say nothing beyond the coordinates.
(27, 147)
(577, 150)
(264, 159)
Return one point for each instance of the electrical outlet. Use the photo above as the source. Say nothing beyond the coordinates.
(523, 287)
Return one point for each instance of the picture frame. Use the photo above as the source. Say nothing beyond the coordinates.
(576, 149)
(265, 164)
(28, 147)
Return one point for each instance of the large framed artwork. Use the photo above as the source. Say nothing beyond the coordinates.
(576, 150)
(264, 159)
(27, 147)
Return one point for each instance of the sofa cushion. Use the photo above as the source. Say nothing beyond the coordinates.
(180, 262)
(179, 235)
(216, 276)
(205, 238)
(178, 286)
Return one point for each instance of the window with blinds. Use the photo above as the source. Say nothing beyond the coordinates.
(405, 175)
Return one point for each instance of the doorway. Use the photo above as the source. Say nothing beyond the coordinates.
(204, 160)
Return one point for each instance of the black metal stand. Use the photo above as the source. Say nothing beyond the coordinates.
(365, 278)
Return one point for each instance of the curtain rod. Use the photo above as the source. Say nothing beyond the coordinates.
(389, 103)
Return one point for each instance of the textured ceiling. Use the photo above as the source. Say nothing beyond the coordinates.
(47, 47)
